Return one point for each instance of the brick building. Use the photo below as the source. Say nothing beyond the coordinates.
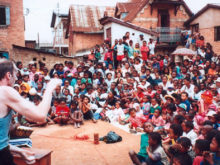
(166, 17)
(203, 23)
(11, 26)
(84, 30)
(151, 14)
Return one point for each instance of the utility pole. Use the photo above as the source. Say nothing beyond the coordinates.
(38, 40)
(59, 28)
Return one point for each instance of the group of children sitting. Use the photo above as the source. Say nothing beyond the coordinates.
(177, 148)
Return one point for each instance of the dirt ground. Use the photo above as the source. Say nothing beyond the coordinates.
(69, 151)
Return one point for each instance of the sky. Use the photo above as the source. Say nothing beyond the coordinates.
(38, 14)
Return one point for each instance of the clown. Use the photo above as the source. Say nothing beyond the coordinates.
(205, 105)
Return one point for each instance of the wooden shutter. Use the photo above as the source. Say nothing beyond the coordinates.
(215, 34)
(7, 11)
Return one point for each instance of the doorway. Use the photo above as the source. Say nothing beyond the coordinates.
(163, 18)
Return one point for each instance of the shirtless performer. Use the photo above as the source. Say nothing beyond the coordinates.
(11, 100)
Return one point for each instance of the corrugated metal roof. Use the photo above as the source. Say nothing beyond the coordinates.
(86, 18)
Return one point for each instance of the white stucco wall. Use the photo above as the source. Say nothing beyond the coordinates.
(118, 31)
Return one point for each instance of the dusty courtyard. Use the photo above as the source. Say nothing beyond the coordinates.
(69, 151)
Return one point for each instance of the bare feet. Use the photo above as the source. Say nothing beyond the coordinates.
(94, 121)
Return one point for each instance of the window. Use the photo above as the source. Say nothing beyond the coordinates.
(123, 15)
(4, 55)
(217, 33)
(4, 15)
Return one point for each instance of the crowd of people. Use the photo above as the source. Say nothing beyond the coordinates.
(176, 104)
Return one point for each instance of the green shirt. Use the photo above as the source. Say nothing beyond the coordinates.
(144, 145)
(152, 109)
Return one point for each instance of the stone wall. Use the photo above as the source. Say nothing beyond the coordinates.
(25, 55)
(14, 32)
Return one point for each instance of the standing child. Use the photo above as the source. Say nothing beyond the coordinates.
(144, 51)
(76, 114)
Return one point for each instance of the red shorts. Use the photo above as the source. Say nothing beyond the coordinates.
(120, 57)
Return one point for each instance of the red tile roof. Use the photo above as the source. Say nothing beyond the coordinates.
(84, 18)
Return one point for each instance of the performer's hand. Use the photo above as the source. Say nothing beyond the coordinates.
(53, 84)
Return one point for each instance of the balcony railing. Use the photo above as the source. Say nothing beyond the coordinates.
(168, 35)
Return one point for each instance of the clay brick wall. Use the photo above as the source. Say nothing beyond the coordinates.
(25, 56)
(146, 20)
(13, 33)
(208, 34)
(82, 41)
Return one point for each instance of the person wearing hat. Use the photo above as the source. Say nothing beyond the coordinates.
(139, 93)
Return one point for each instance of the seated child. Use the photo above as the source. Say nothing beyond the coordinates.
(157, 119)
(155, 152)
(75, 114)
(85, 107)
(188, 131)
(116, 114)
(136, 122)
(146, 105)
(154, 106)
(181, 148)
(53, 108)
(213, 159)
(175, 132)
(142, 155)
(200, 147)
(62, 112)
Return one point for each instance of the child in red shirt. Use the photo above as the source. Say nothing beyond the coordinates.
(144, 51)
(62, 112)
(108, 58)
(136, 121)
